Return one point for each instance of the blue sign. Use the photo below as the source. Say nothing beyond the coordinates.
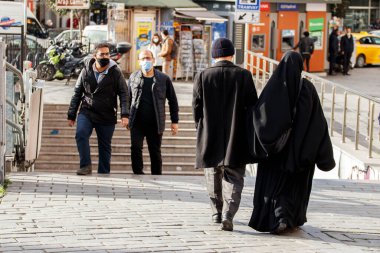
(287, 7)
(248, 5)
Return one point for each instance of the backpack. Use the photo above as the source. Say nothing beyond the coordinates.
(174, 52)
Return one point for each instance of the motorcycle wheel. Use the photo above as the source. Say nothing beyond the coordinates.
(45, 72)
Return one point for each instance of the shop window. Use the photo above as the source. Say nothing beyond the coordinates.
(258, 42)
(287, 40)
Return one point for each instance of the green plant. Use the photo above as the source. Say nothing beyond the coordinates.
(3, 188)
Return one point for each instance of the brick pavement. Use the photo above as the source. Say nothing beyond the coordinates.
(44, 212)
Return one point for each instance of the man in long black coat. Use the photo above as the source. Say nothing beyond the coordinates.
(333, 49)
(346, 49)
(222, 94)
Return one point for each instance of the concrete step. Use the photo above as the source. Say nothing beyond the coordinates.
(58, 123)
(118, 148)
(63, 115)
(119, 131)
(118, 157)
(117, 167)
(125, 139)
(65, 107)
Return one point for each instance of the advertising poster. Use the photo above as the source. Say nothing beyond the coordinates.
(144, 34)
(316, 32)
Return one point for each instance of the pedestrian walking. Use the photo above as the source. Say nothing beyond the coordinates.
(333, 50)
(166, 53)
(347, 48)
(292, 130)
(96, 92)
(306, 46)
(221, 95)
(156, 47)
(148, 91)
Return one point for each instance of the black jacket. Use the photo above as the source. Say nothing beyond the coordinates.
(99, 101)
(221, 96)
(347, 44)
(333, 44)
(306, 45)
(162, 89)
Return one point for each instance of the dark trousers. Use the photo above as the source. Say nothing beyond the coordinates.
(332, 60)
(104, 134)
(346, 62)
(153, 139)
(224, 186)
(306, 57)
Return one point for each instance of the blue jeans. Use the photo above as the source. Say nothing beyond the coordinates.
(104, 133)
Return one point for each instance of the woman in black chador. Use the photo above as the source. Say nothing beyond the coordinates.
(284, 177)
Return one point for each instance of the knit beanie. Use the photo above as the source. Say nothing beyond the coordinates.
(222, 47)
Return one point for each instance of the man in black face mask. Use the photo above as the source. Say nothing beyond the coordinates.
(97, 89)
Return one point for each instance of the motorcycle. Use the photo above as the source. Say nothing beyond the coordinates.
(65, 62)
(62, 61)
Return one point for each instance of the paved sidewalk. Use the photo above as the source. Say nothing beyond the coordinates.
(45, 212)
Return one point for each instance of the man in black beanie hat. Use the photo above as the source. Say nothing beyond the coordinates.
(221, 95)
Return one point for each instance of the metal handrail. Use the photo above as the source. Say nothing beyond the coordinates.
(262, 68)
(18, 73)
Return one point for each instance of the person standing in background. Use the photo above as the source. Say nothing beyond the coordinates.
(306, 45)
(155, 47)
(346, 49)
(333, 49)
(167, 47)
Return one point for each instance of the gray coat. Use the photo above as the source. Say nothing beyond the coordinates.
(221, 96)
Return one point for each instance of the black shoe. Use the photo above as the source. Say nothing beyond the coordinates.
(86, 170)
(281, 228)
(139, 173)
(227, 225)
(217, 218)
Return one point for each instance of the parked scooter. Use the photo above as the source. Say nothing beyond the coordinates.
(64, 62)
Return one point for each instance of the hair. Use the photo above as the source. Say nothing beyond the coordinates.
(159, 38)
(165, 32)
(145, 50)
(102, 45)
(306, 33)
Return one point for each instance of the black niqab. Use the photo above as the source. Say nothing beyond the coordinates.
(274, 110)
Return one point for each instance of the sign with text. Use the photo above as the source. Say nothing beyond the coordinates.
(247, 11)
(287, 7)
(72, 4)
(264, 6)
(316, 24)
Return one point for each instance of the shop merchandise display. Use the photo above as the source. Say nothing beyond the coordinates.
(186, 53)
(200, 55)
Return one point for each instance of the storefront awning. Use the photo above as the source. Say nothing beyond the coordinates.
(156, 3)
(305, 1)
(200, 14)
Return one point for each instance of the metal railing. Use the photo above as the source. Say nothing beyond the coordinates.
(351, 115)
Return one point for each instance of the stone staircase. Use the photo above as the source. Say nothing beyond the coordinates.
(59, 152)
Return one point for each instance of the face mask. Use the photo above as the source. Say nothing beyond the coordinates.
(103, 61)
(155, 40)
(146, 65)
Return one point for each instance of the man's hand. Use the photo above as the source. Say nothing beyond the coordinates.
(124, 122)
(174, 128)
(71, 122)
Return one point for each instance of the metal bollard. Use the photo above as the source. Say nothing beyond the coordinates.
(332, 112)
(344, 118)
(357, 124)
(371, 130)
